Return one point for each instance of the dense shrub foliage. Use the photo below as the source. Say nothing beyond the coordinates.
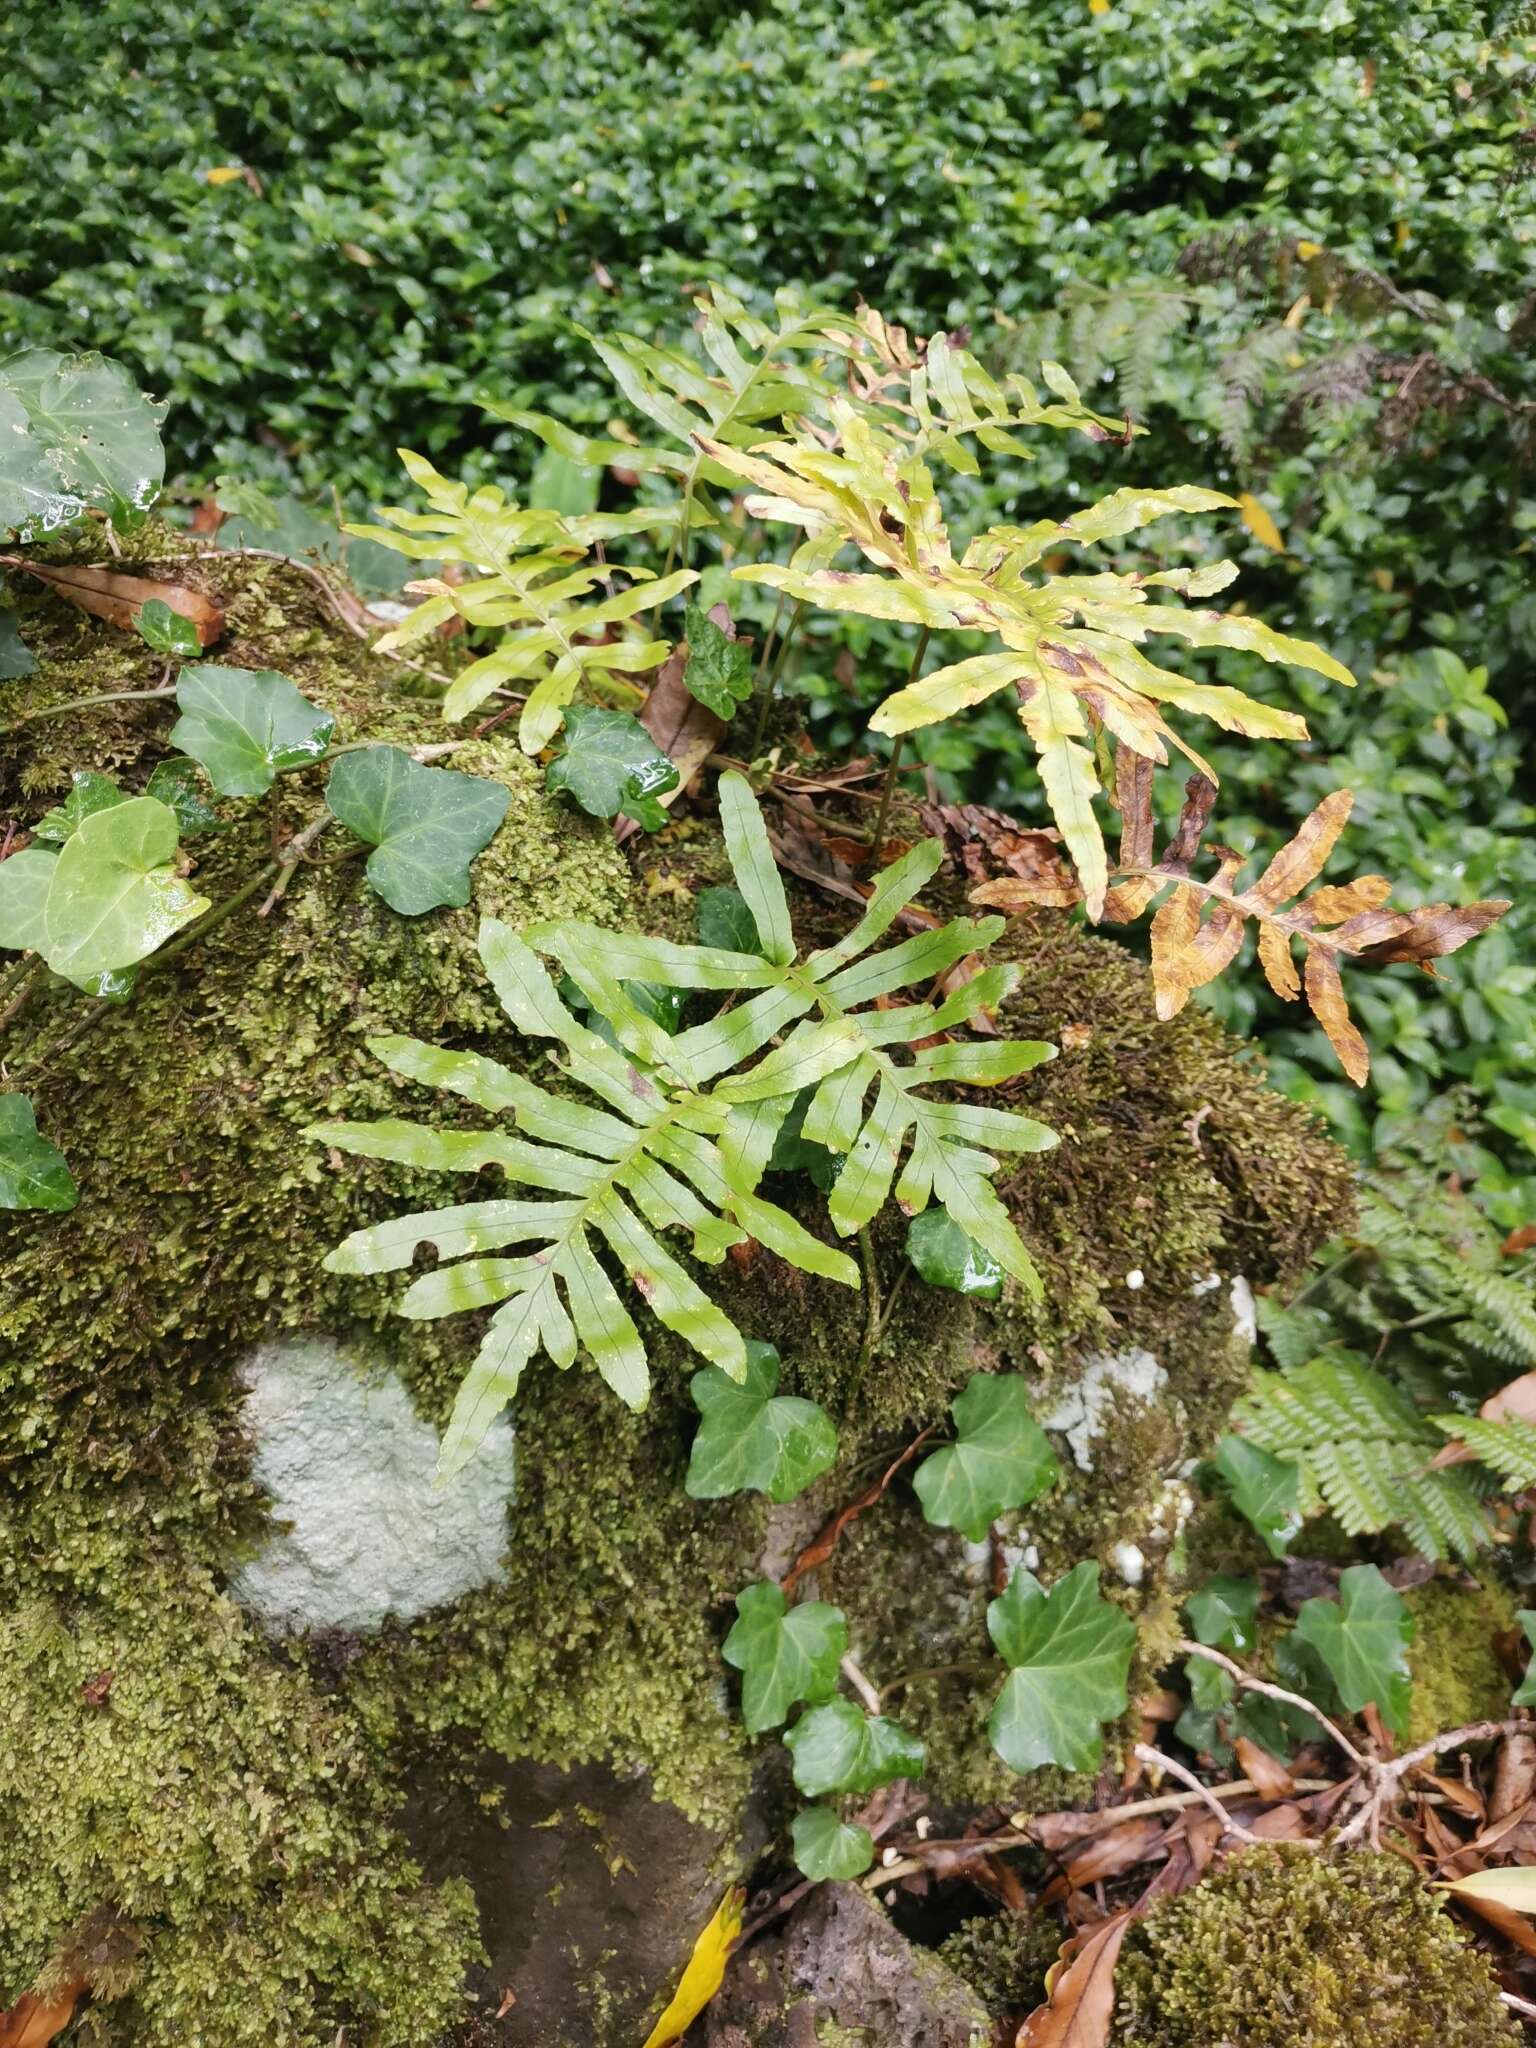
(1291, 238)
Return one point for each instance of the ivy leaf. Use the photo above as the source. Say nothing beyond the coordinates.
(1265, 1490)
(168, 632)
(826, 1847)
(1070, 1650)
(177, 784)
(726, 922)
(719, 671)
(611, 764)
(1223, 1613)
(944, 1255)
(75, 430)
(15, 658)
(425, 824)
(1362, 1638)
(1001, 1458)
(1210, 1688)
(33, 1173)
(247, 725)
(1525, 1692)
(839, 1748)
(89, 792)
(752, 1439)
(115, 895)
(783, 1653)
(25, 880)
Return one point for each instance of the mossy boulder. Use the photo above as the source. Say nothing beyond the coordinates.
(1286, 1948)
(132, 1500)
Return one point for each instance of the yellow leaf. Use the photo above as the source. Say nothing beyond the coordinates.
(1260, 523)
(1514, 1887)
(1098, 6)
(701, 1979)
(224, 174)
(1307, 250)
(1297, 313)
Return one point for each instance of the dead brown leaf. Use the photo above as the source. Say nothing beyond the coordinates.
(1514, 1775)
(686, 731)
(1266, 1774)
(1513, 1403)
(1124, 1848)
(1432, 932)
(1325, 994)
(33, 2022)
(1080, 2001)
(1514, 1927)
(117, 597)
(821, 1546)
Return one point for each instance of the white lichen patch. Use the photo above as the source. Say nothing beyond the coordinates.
(361, 1532)
(1084, 1410)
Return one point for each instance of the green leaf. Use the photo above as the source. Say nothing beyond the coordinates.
(1265, 1490)
(178, 784)
(752, 1439)
(719, 670)
(167, 631)
(25, 879)
(75, 431)
(725, 921)
(89, 792)
(1223, 1613)
(425, 824)
(245, 726)
(1070, 1650)
(611, 764)
(1362, 1638)
(33, 1173)
(1210, 1688)
(560, 485)
(115, 895)
(752, 863)
(839, 1748)
(784, 1654)
(1001, 1458)
(944, 1256)
(1525, 1692)
(827, 1848)
(15, 658)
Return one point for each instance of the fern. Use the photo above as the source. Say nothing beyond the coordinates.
(683, 1137)
(535, 581)
(1363, 1450)
(1508, 1448)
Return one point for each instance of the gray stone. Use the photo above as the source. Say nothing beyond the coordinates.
(839, 1960)
(362, 1531)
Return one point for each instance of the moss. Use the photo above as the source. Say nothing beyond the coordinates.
(1457, 1675)
(1285, 1949)
(1004, 1958)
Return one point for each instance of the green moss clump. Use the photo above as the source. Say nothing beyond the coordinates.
(156, 1759)
(1457, 1675)
(1004, 1958)
(1284, 1949)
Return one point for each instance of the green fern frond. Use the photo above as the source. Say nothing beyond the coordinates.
(1508, 1448)
(1506, 1310)
(1363, 1451)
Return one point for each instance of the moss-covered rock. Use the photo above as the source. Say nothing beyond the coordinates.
(1458, 1677)
(1283, 1948)
(199, 1235)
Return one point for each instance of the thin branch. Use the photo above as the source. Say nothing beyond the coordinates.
(1156, 1761)
(860, 1683)
(1356, 1756)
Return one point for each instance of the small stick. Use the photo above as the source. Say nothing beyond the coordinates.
(1278, 1692)
(860, 1683)
(1156, 1761)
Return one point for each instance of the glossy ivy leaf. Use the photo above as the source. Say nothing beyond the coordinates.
(425, 825)
(25, 879)
(653, 1158)
(167, 631)
(1210, 1688)
(719, 669)
(931, 1150)
(1070, 1650)
(178, 783)
(725, 921)
(1525, 1692)
(245, 726)
(115, 894)
(75, 432)
(16, 658)
(33, 1172)
(1265, 1490)
(1362, 1638)
(611, 765)
(784, 1654)
(89, 792)
(828, 1849)
(1000, 1459)
(945, 1256)
(752, 1438)
(1224, 1614)
(837, 1747)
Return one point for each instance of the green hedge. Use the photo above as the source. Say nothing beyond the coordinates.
(439, 190)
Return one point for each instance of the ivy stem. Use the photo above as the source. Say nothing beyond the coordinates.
(19, 984)
(888, 788)
(288, 865)
(871, 1316)
(107, 697)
